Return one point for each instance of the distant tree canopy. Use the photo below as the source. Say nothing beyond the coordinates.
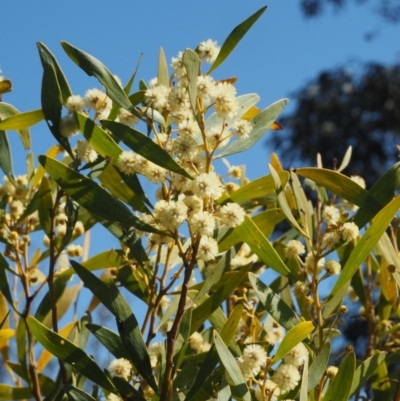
(337, 110)
(388, 9)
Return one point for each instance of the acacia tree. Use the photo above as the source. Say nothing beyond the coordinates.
(196, 252)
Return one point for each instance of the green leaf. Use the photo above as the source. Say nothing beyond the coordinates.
(4, 319)
(261, 124)
(370, 238)
(206, 308)
(239, 387)
(51, 98)
(365, 370)
(162, 75)
(294, 336)
(98, 138)
(4, 287)
(69, 353)
(383, 191)
(76, 394)
(272, 302)
(96, 68)
(95, 285)
(22, 121)
(317, 369)
(8, 393)
(5, 156)
(128, 392)
(191, 62)
(339, 388)
(144, 146)
(112, 341)
(48, 58)
(265, 222)
(342, 186)
(279, 188)
(87, 193)
(234, 38)
(131, 336)
(255, 239)
(304, 382)
(5, 86)
(259, 188)
(45, 205)
(7, 114)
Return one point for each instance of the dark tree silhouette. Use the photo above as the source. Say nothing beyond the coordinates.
(388, 9)
(337, 110)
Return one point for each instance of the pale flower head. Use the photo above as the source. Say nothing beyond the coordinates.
(231, 215)
(311, 264)
(68, 126)
(202, 223)
(330, 240)
(330, 215)
(225, 103)
(157, 97)
(207, 185)
(294, 248)
(271, 391)
(86, 152)
(332, 267)
(297, 356)
(170, 214)
(209, 50)
(121, 368)
(208, 248)
(286, 377)
(331, 371)
(126, 117)
(75, 103)
(242, 128)
(349, 231)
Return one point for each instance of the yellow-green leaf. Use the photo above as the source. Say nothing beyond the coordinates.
(294, 336)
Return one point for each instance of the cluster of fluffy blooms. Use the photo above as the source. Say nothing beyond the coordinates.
(285, 378)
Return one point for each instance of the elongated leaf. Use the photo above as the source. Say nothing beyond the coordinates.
(4, 287)
(234, 38)
(22, 121)
(346, 159)
(383, 191)
(51, 99)
(98, 138)
(279, 188)
(205, 309)
(191, 62)
(339, 389)
(365, 370)
(370, 238)
(4, 319)
(304, 382)
(131, 336)
(5, 156)
(45, 205)
(87, 193)
(48, 58)
(96, 68)
(95, 285)
(69, 353)
(162, 75)
(294, 336)
(278, 309)
(265, 221)
(8, 393)
(211, 359)
(76, 394)
(126, 390)
(112, 341)
(257, 242)
(261, 124)
(317, 369)
(239, 388)
(7, 113)
(342, 186)
(144, 146)
(259, 188)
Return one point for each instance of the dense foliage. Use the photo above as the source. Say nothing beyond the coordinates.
(228, 312)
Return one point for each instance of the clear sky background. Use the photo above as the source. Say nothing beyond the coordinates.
(281, 53)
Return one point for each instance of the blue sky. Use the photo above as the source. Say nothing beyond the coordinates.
(277, 56)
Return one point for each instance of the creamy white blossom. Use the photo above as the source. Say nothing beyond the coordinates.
(209, 50)
(120, 367)
(86, 152)
(349, 231)
(286, 377)
(294, 248)
(297, 356)
(332, 267)
(208, 248)
(330, 215)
